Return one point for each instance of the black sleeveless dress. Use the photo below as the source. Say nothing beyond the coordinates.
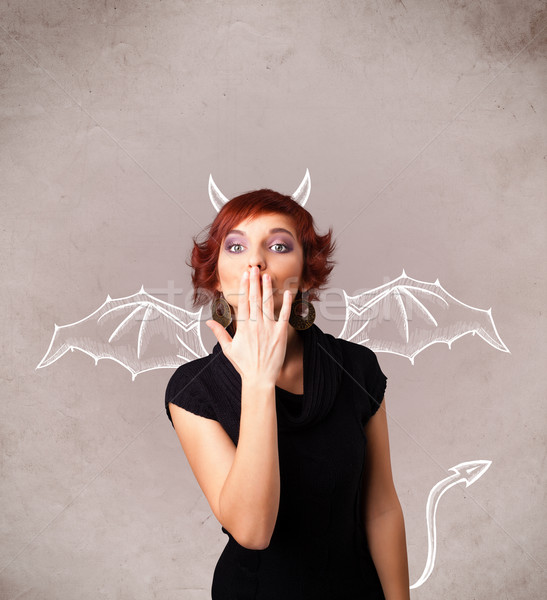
(318, 550)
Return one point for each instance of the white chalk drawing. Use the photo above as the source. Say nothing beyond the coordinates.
(140, 332)
(123, 329)
(403, 316)
(465, 472)
(218, 199)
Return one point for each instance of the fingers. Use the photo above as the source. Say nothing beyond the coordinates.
(243, 302)
(256, 303)
(267, 298)
(285, 312)
(254, 290)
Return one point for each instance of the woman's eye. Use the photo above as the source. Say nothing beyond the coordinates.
(284, 247)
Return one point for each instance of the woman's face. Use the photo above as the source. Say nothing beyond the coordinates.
(254, 242)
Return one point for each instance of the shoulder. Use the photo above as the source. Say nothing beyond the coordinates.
(366, 376)
(187, 388)
(188, 372)
(357, 353)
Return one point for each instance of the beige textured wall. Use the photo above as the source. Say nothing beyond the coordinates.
(423, 126)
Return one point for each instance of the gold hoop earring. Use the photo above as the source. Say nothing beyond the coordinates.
(302, 313)
(221, 311)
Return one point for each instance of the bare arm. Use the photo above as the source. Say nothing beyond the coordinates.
(241, 484)
(249, 499)
(382, 513)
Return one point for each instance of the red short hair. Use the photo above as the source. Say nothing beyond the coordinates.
(317, 249)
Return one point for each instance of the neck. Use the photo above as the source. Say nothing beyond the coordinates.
(294, 344)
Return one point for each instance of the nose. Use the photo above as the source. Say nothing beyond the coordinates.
(257, 260)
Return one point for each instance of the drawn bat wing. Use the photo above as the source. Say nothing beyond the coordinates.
(140, 332)
(405, 316)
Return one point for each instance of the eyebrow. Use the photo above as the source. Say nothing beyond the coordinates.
(274, 230)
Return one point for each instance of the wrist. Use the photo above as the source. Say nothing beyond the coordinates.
(257, 382)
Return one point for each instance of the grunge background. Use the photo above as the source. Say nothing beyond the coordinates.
(423, 125)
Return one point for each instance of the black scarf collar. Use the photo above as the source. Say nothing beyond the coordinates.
(322, 377)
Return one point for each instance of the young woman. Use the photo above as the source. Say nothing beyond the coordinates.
(283, 425)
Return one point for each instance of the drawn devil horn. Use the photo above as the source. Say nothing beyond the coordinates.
(303, 191)
(218, 199)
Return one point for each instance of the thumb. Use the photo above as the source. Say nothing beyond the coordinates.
(221, 334)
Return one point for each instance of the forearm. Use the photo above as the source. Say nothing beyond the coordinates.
(249, 500)
(387, 543)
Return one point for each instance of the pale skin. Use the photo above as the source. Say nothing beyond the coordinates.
(259, 273)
